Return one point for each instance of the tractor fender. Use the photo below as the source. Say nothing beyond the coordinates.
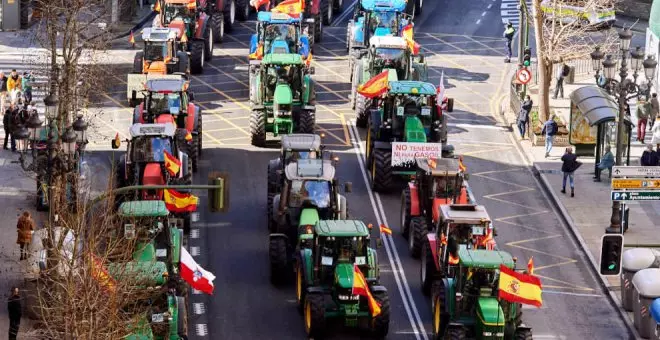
(414, 200)
(254, 42)
(278, 235)
(316, 7)
(372, 261)
(308, 87)
(376, 119)
(137, 115)
(202, 22)
(433, 244)
(318, 290)
(276, 207)
(184, 160)
(305, 256)
(455, 325)
(523, 327)
(123, 167)
(377, 289)
(382, 145)
(191, 118)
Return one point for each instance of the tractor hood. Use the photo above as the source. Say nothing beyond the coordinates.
(414, 130)
(283, 95)
(309, 216)
(490, 314)
(344, 275)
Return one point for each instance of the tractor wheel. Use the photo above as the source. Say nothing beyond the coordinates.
(349, 29)
(456, 334)
(243, 10)
(450, 104)
(208, 43)
(182, 321)
(381, 170)
(343, 208)
(218, 26)
(306, 121)
(301, 287)
(380, 325)
(318, 28)
(258, 128)
(410, 8)
(419, 4)
(194, 152)
(439, 317)
(355, 81)
(405, 211)
(273, 180)
(197, 56)
(523, 334)
(416, 235)
(338, 6)
(269, 208)
(229, 15)
(427, 269)
(138, 62)
(327, 11)
(200, 134)
(183, 65)
(360, 110)
(277, 252)
(314, 315)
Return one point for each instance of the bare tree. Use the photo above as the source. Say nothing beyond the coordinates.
(560, 41)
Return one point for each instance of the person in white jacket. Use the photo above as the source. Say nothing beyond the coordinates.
(656, 133)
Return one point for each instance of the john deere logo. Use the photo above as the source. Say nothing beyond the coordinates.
(514, 286)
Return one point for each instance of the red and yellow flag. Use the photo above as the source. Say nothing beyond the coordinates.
(117, 141)
(520, 288)
(258, 54)
(101, 275)
(179, 202)
(131, 39)
(308, 61)
(188, 137)
(259, 3)
(385, 230)
(360, 287)
(530, 266)
(157, 6)
(172, 164)
(184, 38)
(407, 34)
(192, 4)
(290, 7)
(461, 166)
(376, 86)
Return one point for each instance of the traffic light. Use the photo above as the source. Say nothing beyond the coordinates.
(610, 254)
(527, 57)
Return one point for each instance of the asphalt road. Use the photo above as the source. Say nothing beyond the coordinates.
(233, 245)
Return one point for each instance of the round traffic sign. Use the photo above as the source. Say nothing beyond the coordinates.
(524, 76)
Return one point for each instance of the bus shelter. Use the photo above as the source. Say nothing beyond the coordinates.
(593, 116)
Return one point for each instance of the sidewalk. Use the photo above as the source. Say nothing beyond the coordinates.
(589, 212)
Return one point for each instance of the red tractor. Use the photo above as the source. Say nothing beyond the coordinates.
(436, 182)
(168, 100)
(224, 13)
(460, 226)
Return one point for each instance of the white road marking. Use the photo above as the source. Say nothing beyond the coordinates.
(478, 21)
(478, 126)
(390, 248)
(194, 251)
(490, 5)
(484, 14)
(198, 308)
(196, 292)
(571, 294)
(348, 11)
(510, 13)
(201, 329)
(194, 233)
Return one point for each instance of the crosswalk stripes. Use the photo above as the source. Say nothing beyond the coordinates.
(510, 13)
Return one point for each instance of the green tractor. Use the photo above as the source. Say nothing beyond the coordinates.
(406, 124)
(282, 97)
(385, 53)
(310, 193)
(467, 306)
(324, 279)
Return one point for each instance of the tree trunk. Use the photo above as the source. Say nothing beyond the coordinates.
(542, 64)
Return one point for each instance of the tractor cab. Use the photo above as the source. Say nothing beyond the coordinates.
(294, 147)
(376, 18)
(279, 33)
(467, 306)
(339, 245)
(389, 52)
(174, 10)
(159, 55)
(408, 112)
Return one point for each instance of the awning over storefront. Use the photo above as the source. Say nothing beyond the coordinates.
(596, 105)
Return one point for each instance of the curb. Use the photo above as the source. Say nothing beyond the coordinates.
(568, 221)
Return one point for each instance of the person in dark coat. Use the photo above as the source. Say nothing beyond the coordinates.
(649, 156)
(8, 126)
(568, 167)
(523, 115)
(15, 313)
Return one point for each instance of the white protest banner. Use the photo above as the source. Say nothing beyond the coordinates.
(403, 152)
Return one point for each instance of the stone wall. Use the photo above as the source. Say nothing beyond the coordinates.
(635, 8)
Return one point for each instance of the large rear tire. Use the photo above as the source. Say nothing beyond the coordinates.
(306, 121)
(194, 152)
(301, 287)
(200, 133)
(523, 334)
(242, 10)
(318, 29)
(456, 334)
(416, 235)
(208, 43)
(269, 208)
(439, 317)
(405, 211)
(338, 6)
(197, 56)
(279, 266)
(381, 171)
(229, 14)
(314, 315)
(183, 64)
(380, 325)
(182, 313)
(218, 26)
(427, 271)
(138, 62)
(258, 128)
(327, 11)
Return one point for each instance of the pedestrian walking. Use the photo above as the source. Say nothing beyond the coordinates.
(562, 72)
(509, 32)
(14, 85)
(523, 115)
(607, 162)
(656, 133)
(15, 312)
(3, 91)
(8, 126)
(549, 130)
(655, 109)
(26, 85)
(25, 228)
(568, 167)
(643, 113)
(649, 156)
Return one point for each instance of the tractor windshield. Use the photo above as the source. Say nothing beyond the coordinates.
(292, 156)
(392, 58)
(165, 103)
(445, 186)
(343, 249)
(176, 11)
(149, 149)
(315, 192)
(479, 281)
(286, 34)
(155, 51)
(384, 20)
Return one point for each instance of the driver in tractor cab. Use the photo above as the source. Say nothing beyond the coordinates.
(294, 156)
(384, 20)
(173, 12)
(155, 52)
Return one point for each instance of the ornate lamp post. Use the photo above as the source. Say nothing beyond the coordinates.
(623, 89)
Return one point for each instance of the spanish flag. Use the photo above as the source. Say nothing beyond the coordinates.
(117, 142)
(172, 164)
(385, 230)
(101, 275)
(407, 34)
(290, 7)
(184, 38)
(259, 3)
(530, 266)
(375, 86)
(520, 288)
(258, 54)
(188, 137)
(308, 61)
(360, 287)
(192, 4)
(461, 166)
(157, 6)
(131, 39)
(179, 202)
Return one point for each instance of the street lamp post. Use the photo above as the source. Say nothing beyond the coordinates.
(624, 89)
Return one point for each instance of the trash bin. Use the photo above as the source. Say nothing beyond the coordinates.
(633, 261)
(655, 313)
(647, 289)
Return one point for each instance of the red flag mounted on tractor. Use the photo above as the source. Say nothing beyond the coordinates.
(375, 86)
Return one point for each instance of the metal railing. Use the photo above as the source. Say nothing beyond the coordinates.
(581, 67)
